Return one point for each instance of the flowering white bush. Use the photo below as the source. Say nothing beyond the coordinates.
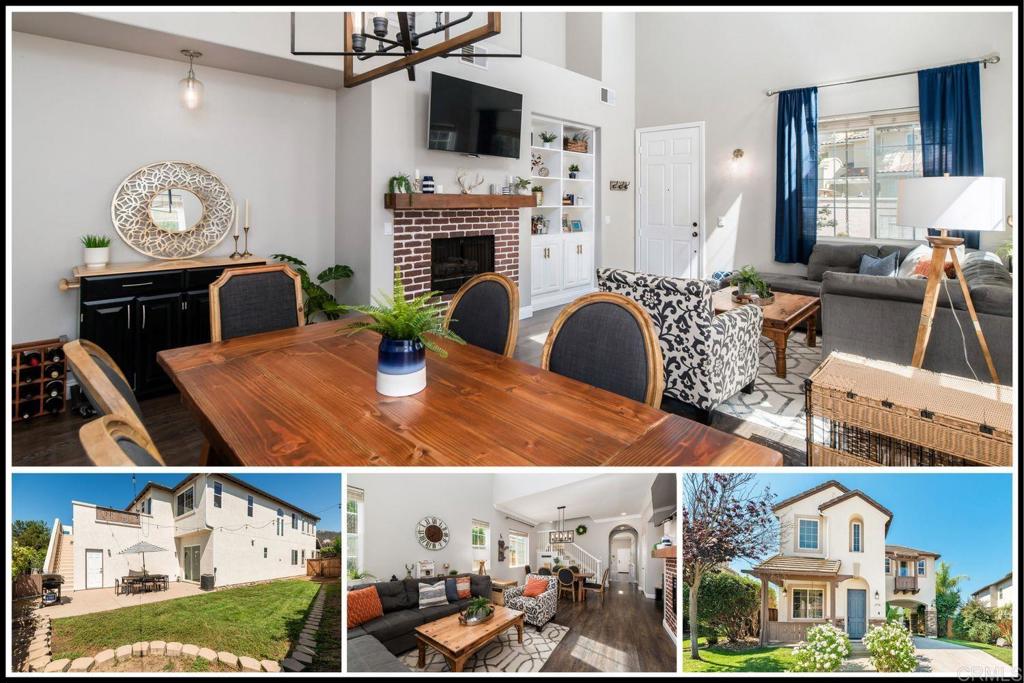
(891, 647)
(824, 650)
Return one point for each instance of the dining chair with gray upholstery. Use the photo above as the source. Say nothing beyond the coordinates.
(246, 301)
(485, 313)
(566, 583)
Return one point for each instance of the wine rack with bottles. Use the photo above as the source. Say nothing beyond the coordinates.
(39, 374)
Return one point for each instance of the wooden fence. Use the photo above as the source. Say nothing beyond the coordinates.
(27, 586)
(329, 567)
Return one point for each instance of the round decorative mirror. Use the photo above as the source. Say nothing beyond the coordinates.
(172, 210)
(176, 210)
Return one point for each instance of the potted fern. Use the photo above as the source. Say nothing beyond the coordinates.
(407, 328)
(477, 611)
(96, 250)
(547, 137)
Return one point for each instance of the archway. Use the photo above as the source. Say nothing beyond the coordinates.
(623, 553)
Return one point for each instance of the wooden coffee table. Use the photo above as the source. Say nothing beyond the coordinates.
(780, 318)
(457, 643)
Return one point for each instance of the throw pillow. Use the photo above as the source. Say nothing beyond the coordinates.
(885, 267)
(918, 255)
(451, 591)
(535, 588)
(462, 585)
(432, 594)
(363, 605)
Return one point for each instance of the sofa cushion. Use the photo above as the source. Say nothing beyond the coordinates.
(462, 585)
(451, 592)
(367, 654)
(432, 594)
(363, 605)
(351, 633)
(793, 284)
(984, 268)
(394, 624)
(394, 596)
(480, 585)
(436, 612)
(992, 299)
(837, 258)
(884, 266)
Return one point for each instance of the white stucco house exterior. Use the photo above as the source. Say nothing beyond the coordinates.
(211, 524)
(834, 566)
(996, 594)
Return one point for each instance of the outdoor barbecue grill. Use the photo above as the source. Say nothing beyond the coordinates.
(51, 584)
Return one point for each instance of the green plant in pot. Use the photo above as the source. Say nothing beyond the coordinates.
(356, 576)
(547, 137)
(318, 302)
(408, 329)
(573, 170)
(748, 282)
(399, 184)
(538, 194)
(478, 609)
(96, 252)
(521, 185)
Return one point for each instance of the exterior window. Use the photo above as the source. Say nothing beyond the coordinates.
(904, 569)
(248, 507)
(808, 534)
(264, 552)
(185, 501)
(481, 534)
(218, 494)
(860, 163)
(855, 538)
(295, 521)
(295, 557)
(888, 566)
(518, 549)
(808, 603)
(354, 525)
(303, 556)
(148, 507)
(920, 567)
(280, 522)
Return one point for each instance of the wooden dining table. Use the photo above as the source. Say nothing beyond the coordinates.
(307, 396)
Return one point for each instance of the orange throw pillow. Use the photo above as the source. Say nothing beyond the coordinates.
(534, 588)
(363, 605)
(462, 587)
(923, 268)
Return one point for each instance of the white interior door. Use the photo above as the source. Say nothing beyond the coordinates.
(94, 569)
(670, 202)
(622, 557)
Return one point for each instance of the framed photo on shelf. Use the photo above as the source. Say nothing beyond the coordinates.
(577, 225)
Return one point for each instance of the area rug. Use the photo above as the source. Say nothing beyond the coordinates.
(775, 409)
(504, 654)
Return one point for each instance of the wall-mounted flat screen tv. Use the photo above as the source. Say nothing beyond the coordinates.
(471, 118)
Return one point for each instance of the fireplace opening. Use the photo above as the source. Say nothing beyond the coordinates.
(454, 260)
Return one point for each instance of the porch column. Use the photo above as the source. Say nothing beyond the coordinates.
(832, 602)
(764, 611)
(931, 623)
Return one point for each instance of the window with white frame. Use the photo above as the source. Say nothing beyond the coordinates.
(481, 535)
(295, 557)
(264, 552)
(218, 494)
(295, 521)
(808, 603)
(518, 549)
(920, 567)
(861, 160)
(888, 566)
(354, 524)
(280, 522)
(185, 501)
(248, 507)
(807, 534)
(856, 537)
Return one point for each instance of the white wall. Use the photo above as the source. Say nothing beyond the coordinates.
(716, 67)
(111, 538)
(584, 44)
(85, 117)
(543, 35)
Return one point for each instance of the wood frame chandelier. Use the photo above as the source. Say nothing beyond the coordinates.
(363, 29)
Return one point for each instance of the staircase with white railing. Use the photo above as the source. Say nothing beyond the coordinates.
(572, 554)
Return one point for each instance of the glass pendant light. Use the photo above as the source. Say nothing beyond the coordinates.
(191, 88)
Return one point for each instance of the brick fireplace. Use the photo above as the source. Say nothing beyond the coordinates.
(415, 229)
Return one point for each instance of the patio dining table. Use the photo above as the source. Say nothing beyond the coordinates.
(147, 582)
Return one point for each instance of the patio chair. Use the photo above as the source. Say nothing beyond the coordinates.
(485, 313)
(246, 301)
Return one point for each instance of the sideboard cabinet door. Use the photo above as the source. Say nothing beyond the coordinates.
(159, 327)
(108, 324)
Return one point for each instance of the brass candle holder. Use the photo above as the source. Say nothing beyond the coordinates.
(246, 253)
(235, 254)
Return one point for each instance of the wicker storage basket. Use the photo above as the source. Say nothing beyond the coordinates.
(577, 146)
(866, 412)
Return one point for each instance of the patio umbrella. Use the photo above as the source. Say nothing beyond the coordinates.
(142, 547)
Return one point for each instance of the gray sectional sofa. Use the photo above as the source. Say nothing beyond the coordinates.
(877, 317)
(376, 643)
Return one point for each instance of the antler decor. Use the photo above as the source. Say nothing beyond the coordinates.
(465, 185)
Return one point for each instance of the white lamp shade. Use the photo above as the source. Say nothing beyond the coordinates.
(952, 203)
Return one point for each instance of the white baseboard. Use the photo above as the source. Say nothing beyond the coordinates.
(649, 596)
(525, 312)
(543, 301)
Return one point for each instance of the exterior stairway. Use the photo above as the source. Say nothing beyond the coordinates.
(66, 562)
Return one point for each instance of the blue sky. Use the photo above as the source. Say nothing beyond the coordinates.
(49, 496)
(966, 518)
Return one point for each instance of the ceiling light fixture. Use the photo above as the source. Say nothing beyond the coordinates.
(190, 87)
(561, 535)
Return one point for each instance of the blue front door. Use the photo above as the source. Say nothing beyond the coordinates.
(857, 612)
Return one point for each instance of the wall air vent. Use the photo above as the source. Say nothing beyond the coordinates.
(474, 55)
(608, 96)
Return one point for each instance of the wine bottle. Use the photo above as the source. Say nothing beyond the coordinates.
(54, 388)
(53, 404)
(55, 355)
(27, 409)
(54, 370)
(31, 359)
(29, 374)
(29, 392)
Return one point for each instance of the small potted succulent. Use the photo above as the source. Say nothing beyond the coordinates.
(407, 328)
(547, 137)
(521, 185)
(96, 250)
(573, 170)
(538, 194)
(477, 611)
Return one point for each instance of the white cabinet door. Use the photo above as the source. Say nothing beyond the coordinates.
(547, 266)
(579, 260)
(94, 569)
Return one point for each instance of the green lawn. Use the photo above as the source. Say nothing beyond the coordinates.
(256, 621)
(1003, 654)
(714, 659)
(328, 637)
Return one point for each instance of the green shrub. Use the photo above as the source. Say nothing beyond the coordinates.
(891, 647)
(728, 604)
(824, 650)
(978, 623)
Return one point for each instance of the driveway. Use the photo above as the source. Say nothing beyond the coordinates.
(938, 656)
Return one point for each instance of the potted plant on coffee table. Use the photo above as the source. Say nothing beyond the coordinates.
(477, 611)
(750, 288)
(407, 329)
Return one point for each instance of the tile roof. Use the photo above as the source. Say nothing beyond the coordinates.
(786, 564)
(994, 583)
(809, 492)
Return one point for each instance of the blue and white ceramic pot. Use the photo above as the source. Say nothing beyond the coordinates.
(401, 367)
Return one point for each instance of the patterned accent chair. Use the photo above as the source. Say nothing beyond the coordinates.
(540, 609)
(707, 357)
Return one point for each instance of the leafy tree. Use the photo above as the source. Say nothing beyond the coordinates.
(332, 549)
(725, 518)
(978, 623)
(728, 604)
(33, 533)
(22, 559)
(319, 301)
(947, 594)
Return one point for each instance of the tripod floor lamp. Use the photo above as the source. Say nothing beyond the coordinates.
(949, 203)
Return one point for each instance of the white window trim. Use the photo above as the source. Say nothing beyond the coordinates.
(857, 540)
(526, 551)
(799, 548)
(478, 524)
(358, 497)
(250, 506)
(921, 568)
(808, 590)
(218, 495)
(888, 566)
(190, 511)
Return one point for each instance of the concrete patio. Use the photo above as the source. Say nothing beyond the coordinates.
(103, 600)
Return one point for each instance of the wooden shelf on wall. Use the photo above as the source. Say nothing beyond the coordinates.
(669, 553)
(458, 201)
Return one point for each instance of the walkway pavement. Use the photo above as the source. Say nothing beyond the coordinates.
(103, 599)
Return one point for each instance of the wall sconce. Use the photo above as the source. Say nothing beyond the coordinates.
(190, 87)
(737, 166)
(737, 154)
(783, 591)
(876, 596)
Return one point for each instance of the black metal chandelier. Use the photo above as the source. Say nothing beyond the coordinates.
(561, 535)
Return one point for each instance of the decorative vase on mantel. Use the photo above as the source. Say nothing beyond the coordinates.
(401, 367)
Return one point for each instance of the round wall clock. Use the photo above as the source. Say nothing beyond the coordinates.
(432, 533)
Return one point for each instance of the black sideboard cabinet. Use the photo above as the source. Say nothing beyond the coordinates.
(132, 316)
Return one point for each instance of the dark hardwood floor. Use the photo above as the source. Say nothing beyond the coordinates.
(625, 634)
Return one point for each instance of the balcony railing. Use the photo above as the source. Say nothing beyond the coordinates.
(117, 516)
(906, 583)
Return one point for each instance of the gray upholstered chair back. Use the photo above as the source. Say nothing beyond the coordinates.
(137, 454)
(574, 568)
(565, 576)
(254, 302)
(600, 340)
(485, 313)
(544, 571)
(116, 379)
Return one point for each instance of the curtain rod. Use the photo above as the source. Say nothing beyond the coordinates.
(985, 61)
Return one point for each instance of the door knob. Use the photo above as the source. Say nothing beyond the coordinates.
(695, 224)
